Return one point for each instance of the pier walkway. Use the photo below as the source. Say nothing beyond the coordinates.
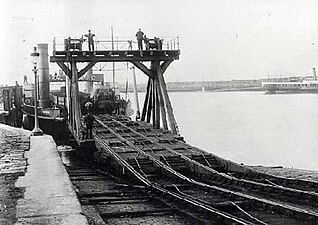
(34, 185)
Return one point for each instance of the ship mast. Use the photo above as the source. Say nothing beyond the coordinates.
(112, 31)
(315, 75)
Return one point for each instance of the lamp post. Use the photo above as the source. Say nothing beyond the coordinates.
(35, 57)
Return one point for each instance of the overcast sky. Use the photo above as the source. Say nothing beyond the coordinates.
(219, 40)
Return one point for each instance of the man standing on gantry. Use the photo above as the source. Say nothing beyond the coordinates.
(90, 40)
(140, 36)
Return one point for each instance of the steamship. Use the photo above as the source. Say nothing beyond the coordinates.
(52, 116)
(293, 85)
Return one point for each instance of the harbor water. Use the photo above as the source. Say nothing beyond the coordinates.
(251, 127)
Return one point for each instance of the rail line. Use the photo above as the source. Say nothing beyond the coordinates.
(296, 194)
(105, 199)
(191, 177)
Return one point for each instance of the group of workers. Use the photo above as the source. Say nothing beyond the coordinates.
(155, 43)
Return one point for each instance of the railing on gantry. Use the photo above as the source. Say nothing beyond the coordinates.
(104, 44)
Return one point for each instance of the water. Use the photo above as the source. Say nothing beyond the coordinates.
(250, 127)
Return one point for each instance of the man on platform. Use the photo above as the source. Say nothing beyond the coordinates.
(90, 40)
(140, 36)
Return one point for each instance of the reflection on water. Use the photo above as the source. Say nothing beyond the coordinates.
(251, 127)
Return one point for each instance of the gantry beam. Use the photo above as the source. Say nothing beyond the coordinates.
(114, 56)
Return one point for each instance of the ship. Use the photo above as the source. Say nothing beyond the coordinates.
(292, 85)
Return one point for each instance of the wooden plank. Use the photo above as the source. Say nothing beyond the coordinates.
(149, 212)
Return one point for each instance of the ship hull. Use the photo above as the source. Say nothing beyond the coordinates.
(291, 91)
(55, 126)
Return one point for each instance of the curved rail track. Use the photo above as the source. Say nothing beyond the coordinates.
(198, 186)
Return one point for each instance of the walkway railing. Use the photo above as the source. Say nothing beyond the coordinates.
(104, 44)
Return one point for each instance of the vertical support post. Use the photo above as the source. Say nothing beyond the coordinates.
(144, 110)
(149, 108)
(157, 109)
(136, 94)
(171, 119)
(76, 105)
(162, 108)
(68, 97)
(153, 103)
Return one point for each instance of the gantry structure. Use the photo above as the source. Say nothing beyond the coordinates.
(157, 107)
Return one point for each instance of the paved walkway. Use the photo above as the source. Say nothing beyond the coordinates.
(34, 185)
(13, 144)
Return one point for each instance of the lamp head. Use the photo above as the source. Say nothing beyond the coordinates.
(34, 56)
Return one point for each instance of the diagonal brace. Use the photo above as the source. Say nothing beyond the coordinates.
(144, 69)
(86, 68)
(165, 65)
(65, 69)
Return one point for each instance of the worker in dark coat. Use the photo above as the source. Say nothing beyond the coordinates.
(140, 36)
(19, 115)
(90, 40)
(89, 121)
(13, 115)
(146, 40)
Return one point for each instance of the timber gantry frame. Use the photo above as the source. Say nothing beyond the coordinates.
(157, 106)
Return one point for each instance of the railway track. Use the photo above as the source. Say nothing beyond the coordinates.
(197, 184)
(107, 200)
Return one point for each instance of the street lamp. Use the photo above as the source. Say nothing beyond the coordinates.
(35, 57)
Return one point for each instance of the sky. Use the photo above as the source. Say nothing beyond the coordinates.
(219, 40)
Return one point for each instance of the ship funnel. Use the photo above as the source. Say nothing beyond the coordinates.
(315, 75)
(44, 77)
